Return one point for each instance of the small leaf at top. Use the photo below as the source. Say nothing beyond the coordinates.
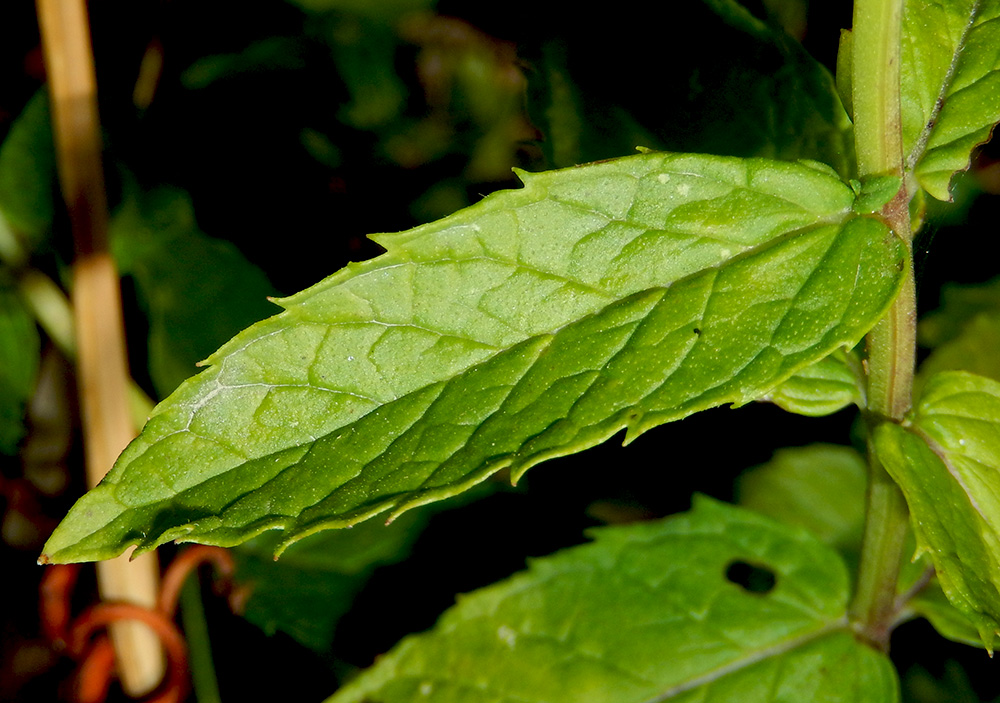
(947, 465)
(874, 192)
(950, 85)
(658, 611)
(537, 323)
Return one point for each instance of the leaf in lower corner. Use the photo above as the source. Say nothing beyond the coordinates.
(538, 323)
(654, 611)
(946, 465)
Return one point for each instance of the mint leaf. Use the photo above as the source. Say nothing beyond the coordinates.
(932, 604)
(946, 464)
(669, 617)
(829, 385)
(538, 323)
(950, 86)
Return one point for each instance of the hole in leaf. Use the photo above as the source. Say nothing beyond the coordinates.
(751, 578)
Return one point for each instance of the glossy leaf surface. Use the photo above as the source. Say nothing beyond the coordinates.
(950, 92)
(655, 611)
(538, 323)
(947, 464)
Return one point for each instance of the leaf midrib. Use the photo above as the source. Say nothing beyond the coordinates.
(778, 649)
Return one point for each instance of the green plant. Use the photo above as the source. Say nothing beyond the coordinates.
(621, 295)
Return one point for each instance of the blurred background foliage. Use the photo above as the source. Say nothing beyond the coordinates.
(250, 149)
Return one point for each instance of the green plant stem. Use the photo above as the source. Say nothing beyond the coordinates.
(875, 86)
(892, 343)
(203, 679)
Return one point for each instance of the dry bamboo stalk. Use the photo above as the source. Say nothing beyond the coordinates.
(101, 360)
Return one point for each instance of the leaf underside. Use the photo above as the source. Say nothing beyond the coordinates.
(950, 86)
(649, 612)
(537, 323)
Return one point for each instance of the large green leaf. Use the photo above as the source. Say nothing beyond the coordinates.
(658, 611)
(950, 85)
(947, 464)
(537, 323)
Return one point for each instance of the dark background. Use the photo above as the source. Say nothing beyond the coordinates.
(236, 147)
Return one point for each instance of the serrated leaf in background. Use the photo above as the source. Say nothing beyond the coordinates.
(198, 291)
(960, 304)
(973, 350)
(385, 11)
(538, 323)
(307, 591)
(269, 54)
(19, 356)
(829, 385)
(28, 175)
(950, 86)
(947, 464)
(776, 101)
(820, 487)
(654, 611)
